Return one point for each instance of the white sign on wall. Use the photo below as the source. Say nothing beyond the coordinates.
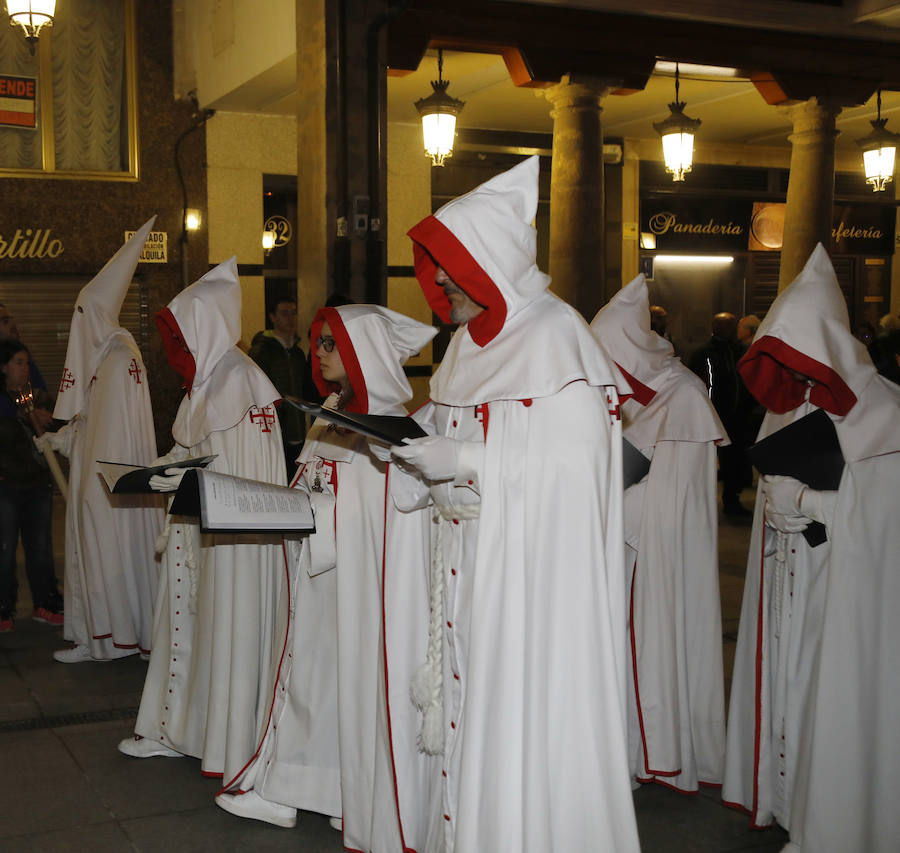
(155, 250)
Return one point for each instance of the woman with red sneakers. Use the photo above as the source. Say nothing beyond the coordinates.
(26, 496)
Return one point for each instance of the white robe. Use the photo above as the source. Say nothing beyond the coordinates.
(208, 686)
(816, 684)
(813, 734)
(111, 570)
(676, 693)
(534, 627)
(341, 738)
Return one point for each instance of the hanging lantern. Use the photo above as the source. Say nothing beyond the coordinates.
(677, 132)
(879, 148)
(31, 16)
(438, 113)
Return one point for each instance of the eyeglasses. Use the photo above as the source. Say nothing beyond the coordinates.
(326, 342)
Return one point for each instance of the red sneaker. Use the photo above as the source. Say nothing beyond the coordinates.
(6, 624)
(47, 616)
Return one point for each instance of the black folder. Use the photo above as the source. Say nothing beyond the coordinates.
(808, 450)
(634, 464)
(391, 429)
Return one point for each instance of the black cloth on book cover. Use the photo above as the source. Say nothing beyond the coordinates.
(634, 464)
(138, 482)
(388, 428)
(807, 450)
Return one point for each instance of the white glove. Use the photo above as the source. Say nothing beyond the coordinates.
(783, 503)
(819, 506)
(434, 456)
(53, 440)
(168, 482)
(380, 450)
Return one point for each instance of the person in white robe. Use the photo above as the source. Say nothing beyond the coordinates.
(110, 570)
(523, 688)
(208, 689)
(813, 738)
(676, 700)
(342, 736)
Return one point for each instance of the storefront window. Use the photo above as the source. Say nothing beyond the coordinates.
(72, 110)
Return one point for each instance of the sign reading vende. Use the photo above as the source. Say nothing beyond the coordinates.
(17, 100)
(155, 249)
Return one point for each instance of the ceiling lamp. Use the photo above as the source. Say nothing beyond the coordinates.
(879, 148)
(438, 113)
(677, 132)
(31, 16)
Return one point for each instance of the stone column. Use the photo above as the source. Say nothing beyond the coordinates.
(576, 193)
(810, 195)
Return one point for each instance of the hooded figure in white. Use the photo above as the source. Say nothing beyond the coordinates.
(111, 569)
(342, 734)
(676, 708)
(208, 684)
(523, 689)
(813, 734)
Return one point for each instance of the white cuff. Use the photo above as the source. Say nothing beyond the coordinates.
(471, 458)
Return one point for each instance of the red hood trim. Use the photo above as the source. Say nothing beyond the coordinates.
(766, 368)
(360, 401)
(642, 393)
(177, 352)
(434, 244)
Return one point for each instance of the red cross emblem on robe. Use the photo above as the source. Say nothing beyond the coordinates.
(613, 407)
(67, 380)
(134, 371)
(263, 417)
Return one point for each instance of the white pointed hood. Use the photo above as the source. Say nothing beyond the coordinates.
(200, 329)
(807, 330)
(668, 403)
(95, 322)
(527, 342)
(374, 343)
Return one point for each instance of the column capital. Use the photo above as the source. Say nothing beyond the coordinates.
(812, 119)
(579, 92)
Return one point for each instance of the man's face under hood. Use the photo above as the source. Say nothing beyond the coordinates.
(462, 307)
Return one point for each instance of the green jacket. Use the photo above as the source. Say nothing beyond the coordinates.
(286, 367)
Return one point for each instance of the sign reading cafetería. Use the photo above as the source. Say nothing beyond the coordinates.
(155, 249)
(739, 225)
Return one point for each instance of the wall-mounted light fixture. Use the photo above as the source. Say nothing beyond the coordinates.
(268, 241)
(879, 149)
(677, 132)
(32, 16)
(438, 113)
(192, 219)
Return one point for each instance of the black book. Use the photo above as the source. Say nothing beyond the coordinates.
(391, 429)
(634, 464)
(808, 450)
(124, 479)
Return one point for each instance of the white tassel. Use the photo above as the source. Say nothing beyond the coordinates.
(427, 687)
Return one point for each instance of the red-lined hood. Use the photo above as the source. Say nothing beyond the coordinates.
(487, 244)
(200, 329)
(807, 329)
(669, 403)
(374, 343)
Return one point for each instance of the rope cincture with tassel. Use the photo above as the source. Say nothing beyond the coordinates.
(25, 401)
(427, 686)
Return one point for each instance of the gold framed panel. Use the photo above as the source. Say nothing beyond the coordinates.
(48, 142)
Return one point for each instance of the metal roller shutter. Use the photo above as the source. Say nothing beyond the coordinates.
(43, 305)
